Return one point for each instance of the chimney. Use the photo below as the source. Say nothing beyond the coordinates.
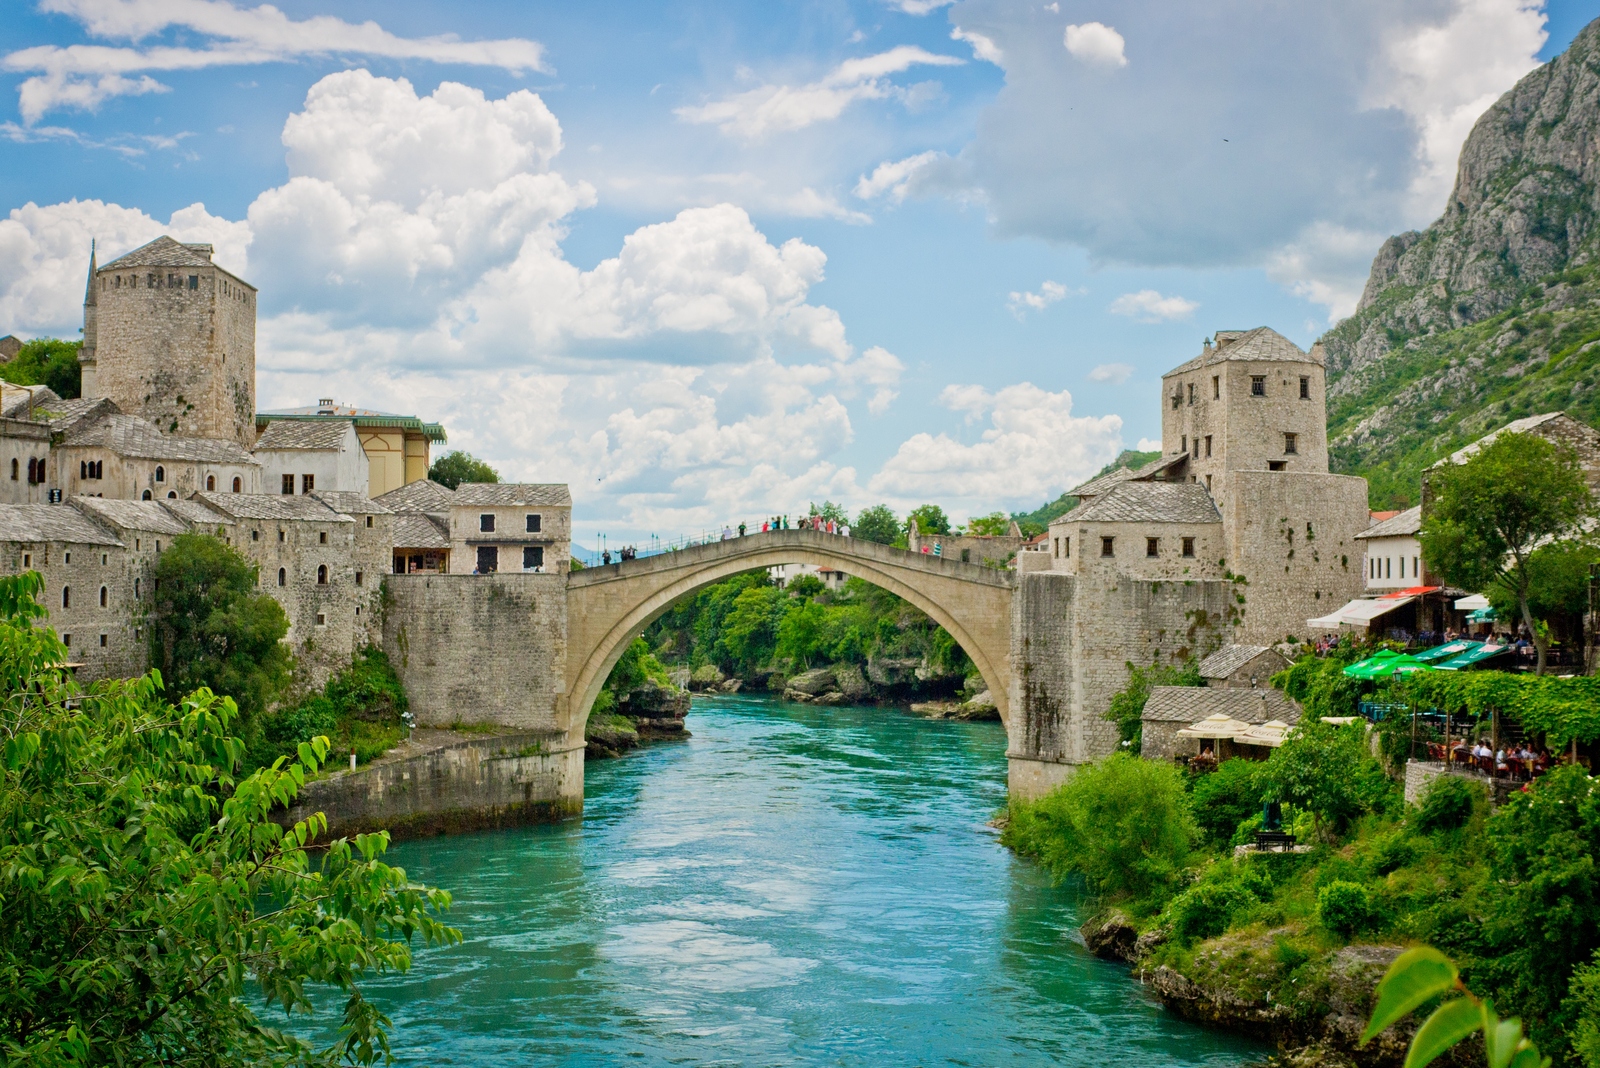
(325, 406)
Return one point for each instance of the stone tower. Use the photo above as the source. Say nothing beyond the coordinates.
(170, 336)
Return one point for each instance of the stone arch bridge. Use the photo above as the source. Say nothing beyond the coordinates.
(609, 606)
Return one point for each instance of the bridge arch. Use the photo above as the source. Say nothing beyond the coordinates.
(609, 606)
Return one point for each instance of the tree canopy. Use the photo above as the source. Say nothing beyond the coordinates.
(877, 523)
(930, 519)
(1490, 514)
(456, 467)
(148, 896)
(47, 361)
(995, 524)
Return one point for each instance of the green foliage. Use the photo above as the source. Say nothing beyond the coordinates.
(1562, 709)
(1489, 514)
(1330, 772)
(1558, 592)
(1124, 824)
(876, 523)
(1583, 1007)
(1319, 683)
(1208, 908)
(830, 511)
(750, 636)
(1347, 908)
(994, 525)
(1447, 804)
(1423, 974)
(1227, 797)
(930, 519)
(805, 586)
(456, 467)
(149, 896)
(1127, 705)
(362, 708)
(211, 628)
(800, 632)
(47, 361)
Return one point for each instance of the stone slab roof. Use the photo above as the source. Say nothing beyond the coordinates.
(304, 434)
(350, 503)
(1263, 344)
(1191, 704)
(1407, 522)
(271, 506)
(51, 522)
(132, 515)
(195, 513)
(1101, 483)
(423, 495)
(414, 530)
(517, 494)
(129, 435)
(1228, 659)
(35, 397)
(63, 416)
(163, 252)
(1520, 426)
(1148, 502)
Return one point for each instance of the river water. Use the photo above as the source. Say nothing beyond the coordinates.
(791, 886)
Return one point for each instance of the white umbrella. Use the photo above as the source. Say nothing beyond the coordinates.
(1271, 734)
(1214, 726)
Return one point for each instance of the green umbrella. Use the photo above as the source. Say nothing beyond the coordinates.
(1360, 668)
(1395, 665)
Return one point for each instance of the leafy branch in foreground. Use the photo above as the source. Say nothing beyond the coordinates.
(143, 886)
(1420, 975)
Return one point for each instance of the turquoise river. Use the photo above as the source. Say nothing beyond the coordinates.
(791, 886)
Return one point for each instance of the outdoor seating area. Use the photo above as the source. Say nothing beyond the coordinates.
(1223, 737)
(1517, 761)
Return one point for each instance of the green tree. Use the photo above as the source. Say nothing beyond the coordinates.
(1123, 823)
(1558, 587)
(930, 519)
(47, 361)
(1127, 705)
(1489, 514)
(211, 628)
(1329, 771)
(800, 632)
(456, 467)
(877, 523)
(804, 586)
(148, 895)
(829, 510)
(994, 525)
(750, 631)
(1227, 797)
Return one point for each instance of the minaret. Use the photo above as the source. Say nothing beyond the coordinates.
(86, 351)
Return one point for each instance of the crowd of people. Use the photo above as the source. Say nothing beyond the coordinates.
(1517, 761)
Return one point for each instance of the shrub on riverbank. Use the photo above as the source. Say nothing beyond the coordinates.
(362, 709)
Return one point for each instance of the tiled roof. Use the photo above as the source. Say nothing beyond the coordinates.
(1101, 483)
(132, 515)
(129, 435)
(51, 522)
(1191, 704)
(351, 503)
(1148, 502)
(271, 506)
(1262, 344)
(423, 495)
(63, 416)
(304, 434)
(32, 398)
(517, 494)
(1228, 659)
(163, 252)
(363, 418)
(195, 513)
(414, 530)
(1407, 522)
(1519, 426)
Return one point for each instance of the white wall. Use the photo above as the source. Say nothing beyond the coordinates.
(1393, 563)
(344, 471)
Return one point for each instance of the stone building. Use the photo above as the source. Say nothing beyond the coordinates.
(509, 526)
(1559, 428)
(421, 526)
(125, 456)
(1242, 667)
(171, 337)
(300, 456)
(396, 446)
(1169, 709)
(1392, 555)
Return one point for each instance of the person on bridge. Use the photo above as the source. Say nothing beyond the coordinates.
(741, 530)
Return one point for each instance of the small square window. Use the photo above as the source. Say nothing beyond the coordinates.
(102, 641)
(1177, 399)
(1258, 385)
(322, 537)
(322, 620)
(1277, 465)
(103, 558)
(532, 556)
(255, 535)
(533, 524)
(288, 485)
(1290, 443)
(27, 559)
(486, 523)
(358, 578)
(1305, 387)
(1183, 442)
(66, 639)
(1188, 547)
(1107, 546)
(66, 558)
(1152, 546)
(1191, 394)
(308, 483)
(194, 281)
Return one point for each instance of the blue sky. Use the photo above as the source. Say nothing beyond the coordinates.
(711, 261)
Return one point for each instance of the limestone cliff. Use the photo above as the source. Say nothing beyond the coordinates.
(1492, 312)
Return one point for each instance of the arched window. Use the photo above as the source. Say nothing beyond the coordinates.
(172, 495)
(146, 496)
(211, 483)
(161, 473)
(322, 574)
(104, 597)
(283, 577)
(66, 597)
(238, 484)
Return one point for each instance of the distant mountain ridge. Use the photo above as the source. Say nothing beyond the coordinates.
(1493, 312)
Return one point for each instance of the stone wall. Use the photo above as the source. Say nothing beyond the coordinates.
(108, 639)
(480, 648)
(498, 781)
(21, 441)
(129, 478)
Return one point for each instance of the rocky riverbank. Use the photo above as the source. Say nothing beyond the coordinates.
(652, 712)
(1313, 1008)
(927, 689)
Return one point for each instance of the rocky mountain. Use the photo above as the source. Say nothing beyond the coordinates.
(1492, 312)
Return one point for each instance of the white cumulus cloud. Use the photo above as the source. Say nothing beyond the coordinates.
(983, 47)
(1149, 306)
(894, 177)
(1032, 449)
(1113, 374)
(83, 76)
(1019, 304)
(781, 108)
(1096, 43)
